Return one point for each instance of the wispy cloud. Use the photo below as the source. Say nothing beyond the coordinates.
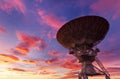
(106, 7)
(71, 63)
(16, 69)
(54, 53)
(30, 61)
(114, 70)
(8, 58)
(46, 72)
(2, 29)
(53, 60)
(50, 19)
(22, 49)
(28, 41)
(70, 75)
(8, 5)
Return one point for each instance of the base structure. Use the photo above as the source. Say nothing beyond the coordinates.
(88, 69)
(86, 57)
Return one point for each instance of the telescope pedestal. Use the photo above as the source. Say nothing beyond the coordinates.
(88, 69)
(81, 36)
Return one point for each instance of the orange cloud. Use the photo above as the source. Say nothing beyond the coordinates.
(50, 19)
(8, 5)
(71, 63)
(53, 60)
(27, 42)
(30, 61)
(18, 52)
(8, 58)
(22, 49)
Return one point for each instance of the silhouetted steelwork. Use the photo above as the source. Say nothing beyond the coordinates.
(81, 36)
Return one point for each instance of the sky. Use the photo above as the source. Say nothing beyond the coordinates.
(28, 45)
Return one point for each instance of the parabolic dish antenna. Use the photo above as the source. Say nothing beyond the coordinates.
(81, 36)
(83, 30)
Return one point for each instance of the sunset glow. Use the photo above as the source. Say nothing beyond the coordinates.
(28, 45)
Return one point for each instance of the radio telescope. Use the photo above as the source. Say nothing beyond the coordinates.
(81, 37)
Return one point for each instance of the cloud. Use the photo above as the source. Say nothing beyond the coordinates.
(8, 5)
(16, 69)
(106, 53)
(71, 63)
(17, 52)
(109, 56)
(28, 39)
(27, 42)
(47, 72)
(107, 7)
(2, 30)
(70, 75)
(8, 58)
(51, 34)
(50, 19)
(53, 60)
(114, 70)
(30, 61)
(22, 49)
(54, 53)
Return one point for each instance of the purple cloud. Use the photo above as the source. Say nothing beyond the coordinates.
(107, 7)
(8, 5)
(50, 19)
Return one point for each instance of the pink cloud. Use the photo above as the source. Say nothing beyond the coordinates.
(54, 53)
(50, 19)
(114, 70)
(28, 42)
(2, 30)
(71, 63)
(106, 53)
(107, 56)
(51, 34)
(28, 39)
(53, 60)
(107, 7)
(8, 5)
